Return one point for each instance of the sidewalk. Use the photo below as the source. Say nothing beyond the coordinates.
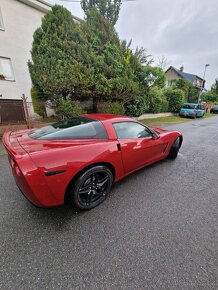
(154, 116)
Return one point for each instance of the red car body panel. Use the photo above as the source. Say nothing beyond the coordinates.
(33, 161)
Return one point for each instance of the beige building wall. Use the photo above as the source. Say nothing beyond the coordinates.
(170, 76)
(20, 21)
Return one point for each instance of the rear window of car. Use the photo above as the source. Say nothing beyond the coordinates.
(199, 107)
(75, 128)
(188, 106)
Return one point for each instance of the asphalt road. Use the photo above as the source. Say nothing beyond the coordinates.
(157, 230)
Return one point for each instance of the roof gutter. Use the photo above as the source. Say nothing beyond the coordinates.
(43, 6)
(38, 4)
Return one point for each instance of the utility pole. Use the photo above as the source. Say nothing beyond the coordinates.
(202, 87)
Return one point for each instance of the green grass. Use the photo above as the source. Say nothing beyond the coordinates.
(207, 115)
(171, 120)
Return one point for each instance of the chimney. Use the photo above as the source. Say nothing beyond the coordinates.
(181, 68)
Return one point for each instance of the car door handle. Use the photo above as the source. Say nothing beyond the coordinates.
(119, 147)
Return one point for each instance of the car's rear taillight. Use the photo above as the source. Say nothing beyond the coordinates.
(14, 166)
(17, 170)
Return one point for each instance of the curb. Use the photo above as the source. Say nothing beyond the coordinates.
(154, 116)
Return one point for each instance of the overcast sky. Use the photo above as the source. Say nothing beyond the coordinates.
(183, 31)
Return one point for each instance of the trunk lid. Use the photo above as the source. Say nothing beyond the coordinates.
(34, 146)
(12, 145)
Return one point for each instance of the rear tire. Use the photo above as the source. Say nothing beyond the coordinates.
(174, 149)
(91, 187)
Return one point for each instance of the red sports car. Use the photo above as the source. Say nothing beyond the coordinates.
(80, 159)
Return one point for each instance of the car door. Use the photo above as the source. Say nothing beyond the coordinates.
(138, 145)
(199, 111)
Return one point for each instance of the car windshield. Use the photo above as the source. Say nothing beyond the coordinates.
(188, 106)
(75, 128)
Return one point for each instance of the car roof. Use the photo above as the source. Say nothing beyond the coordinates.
(108, 117)
(190, 104)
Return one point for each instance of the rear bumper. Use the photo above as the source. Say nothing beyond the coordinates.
(187, 114)
(29, 179)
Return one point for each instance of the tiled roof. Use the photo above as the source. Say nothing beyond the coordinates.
(187, 76)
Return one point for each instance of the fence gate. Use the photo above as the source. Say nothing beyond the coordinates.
(12, 111)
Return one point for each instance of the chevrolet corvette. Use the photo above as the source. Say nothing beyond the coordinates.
(79, 159)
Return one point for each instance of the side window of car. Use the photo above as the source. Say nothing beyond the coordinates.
(131, 130)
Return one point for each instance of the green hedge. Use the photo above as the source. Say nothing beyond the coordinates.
(112, 108)
(175, 98)
(70, 109)
(136, 108)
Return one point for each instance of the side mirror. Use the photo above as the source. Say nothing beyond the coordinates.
(155, 136)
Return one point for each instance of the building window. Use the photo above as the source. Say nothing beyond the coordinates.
(1, 21)
(6, 71)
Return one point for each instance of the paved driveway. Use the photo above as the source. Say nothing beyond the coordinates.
(157, 230)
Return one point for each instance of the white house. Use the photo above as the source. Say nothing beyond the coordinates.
(18, 21)
(173, 74)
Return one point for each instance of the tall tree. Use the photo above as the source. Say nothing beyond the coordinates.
(191, 92)
(60, 56)
(210, 97)
(162, 62)
(81, 61)
(110, 9)
(214, 87)
(114, 78)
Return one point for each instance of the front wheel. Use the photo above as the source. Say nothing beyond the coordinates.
(174, 149)
(92, 187)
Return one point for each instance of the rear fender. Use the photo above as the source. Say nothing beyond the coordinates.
(71, 161)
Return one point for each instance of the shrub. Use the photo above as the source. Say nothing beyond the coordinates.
(210, 97)
(69, 109)
(164, 106)
(191, 92)
(112, 108)
(175, 98)
(135, 108)
(157, 101)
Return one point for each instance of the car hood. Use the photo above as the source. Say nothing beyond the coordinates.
(158, 130)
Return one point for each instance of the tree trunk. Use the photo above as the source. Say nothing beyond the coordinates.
(95, 105)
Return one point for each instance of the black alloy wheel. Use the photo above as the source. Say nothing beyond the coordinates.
(92, 187)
